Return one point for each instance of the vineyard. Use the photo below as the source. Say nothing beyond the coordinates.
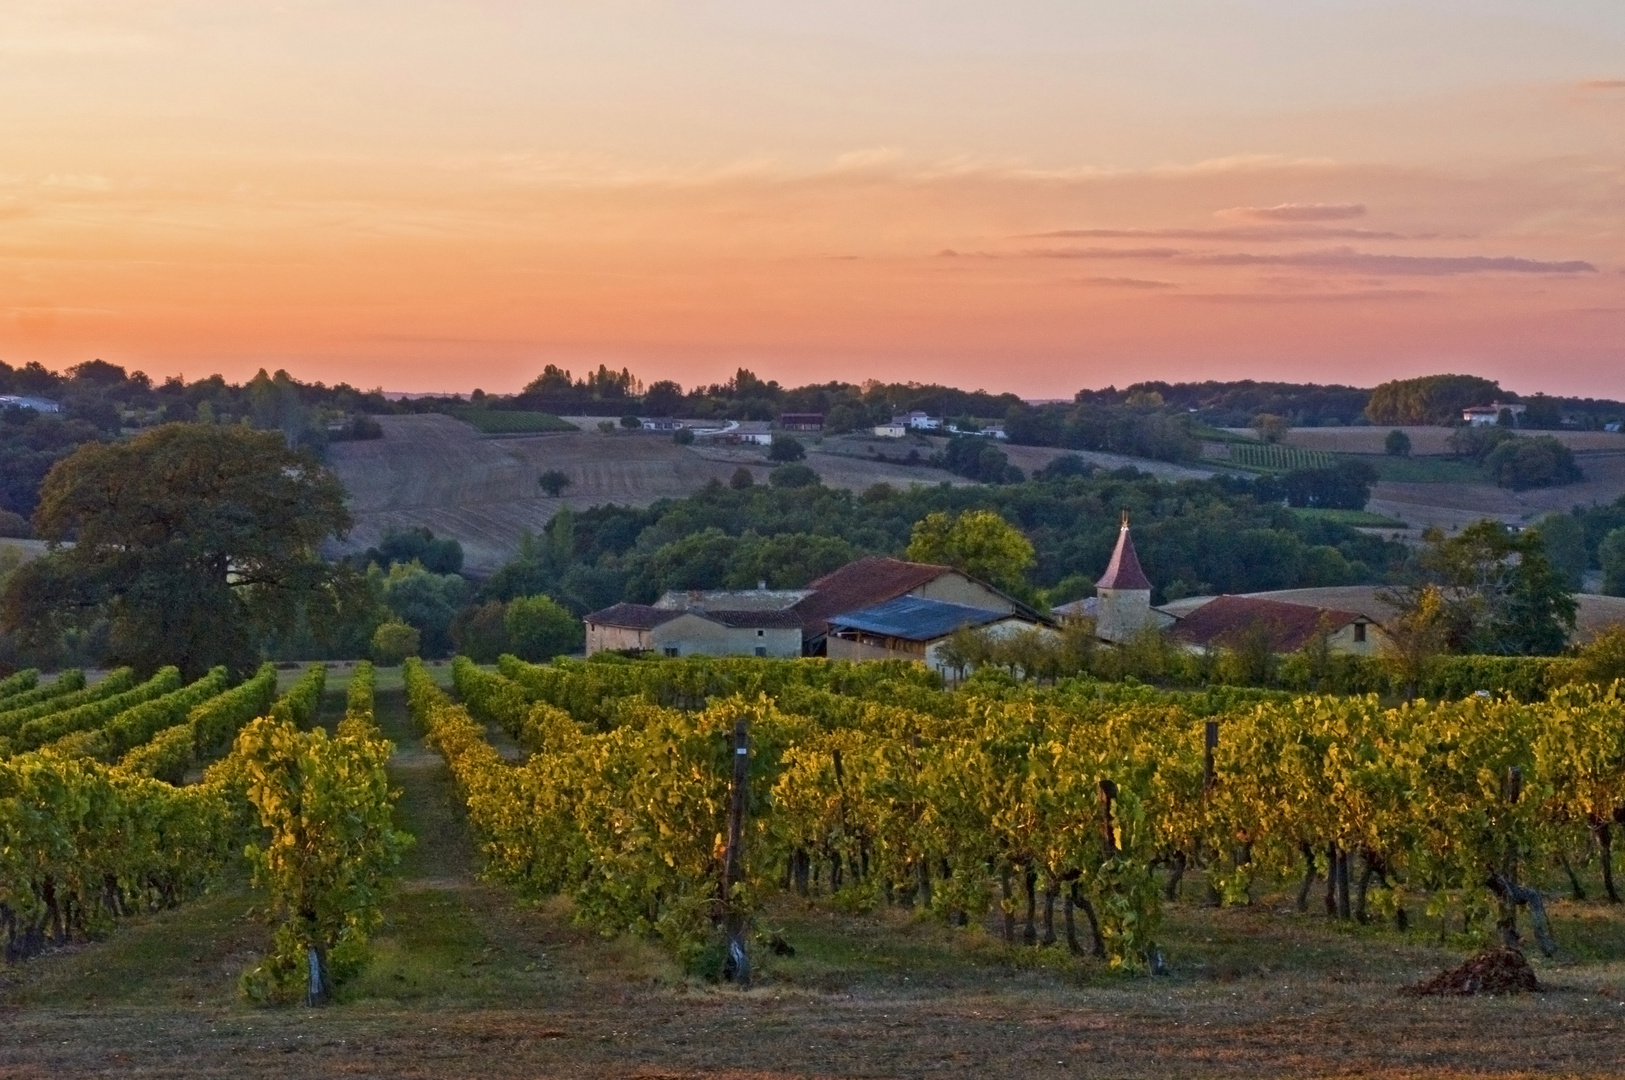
(593, 851)
(1071, 813)
(98, 822)
(1274, 457)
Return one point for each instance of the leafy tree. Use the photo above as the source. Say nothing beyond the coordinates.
(786, 448)
(540, 629)
(793, 476)
(683, 437)
(663, 398)
(1565, 543)
(480, 632)
(1520, 463)
(1499, 592)
(979, 542)
(631, 422)
(1431, 399)
(194, 542)
(393, 642)
(742, 479)
(1397, 444)
(426, 601)
(419, 545)
(1416, 638)
(1271, 428)
(554, 482)
(1343, 486)
(1611, 554)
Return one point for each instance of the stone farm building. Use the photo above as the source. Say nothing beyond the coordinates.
(1122, 610)
(869, 609)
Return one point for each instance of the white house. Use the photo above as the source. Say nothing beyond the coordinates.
(893, 430)
(1490, 415)
(19, 401)
(918, 421)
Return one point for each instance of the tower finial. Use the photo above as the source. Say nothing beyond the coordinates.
(1125, 519)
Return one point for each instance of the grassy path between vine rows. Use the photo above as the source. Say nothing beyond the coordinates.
(467, 981)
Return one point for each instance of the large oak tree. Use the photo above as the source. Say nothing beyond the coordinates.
(194, 541)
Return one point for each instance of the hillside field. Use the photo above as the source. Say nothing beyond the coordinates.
(435, 471)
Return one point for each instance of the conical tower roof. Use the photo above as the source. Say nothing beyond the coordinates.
(1124, 572)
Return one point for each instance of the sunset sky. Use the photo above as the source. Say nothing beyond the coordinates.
(1028, 195)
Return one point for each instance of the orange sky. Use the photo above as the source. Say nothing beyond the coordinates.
(1036, 195)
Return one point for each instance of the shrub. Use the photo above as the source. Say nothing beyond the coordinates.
(1397, 444)
(393, 642)
(792, 476)
(683, 437)
(540, 629)
(786, 448)
(742, 479)
(631, 422)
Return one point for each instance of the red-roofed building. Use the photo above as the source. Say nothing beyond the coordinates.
(1229, 622)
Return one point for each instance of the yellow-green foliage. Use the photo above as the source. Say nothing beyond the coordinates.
(207, 728)
(330, 849)
(87, 717)
(622, 806)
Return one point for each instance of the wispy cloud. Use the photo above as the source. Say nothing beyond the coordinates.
(1257, 233)
(1298, 212)
(1363, 262)
(1602, 84)
(1125, 283)
(1356, 296)
(1106, 253)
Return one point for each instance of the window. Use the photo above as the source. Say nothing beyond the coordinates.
(761, 633)
(1359, 633)
(761, 650)
(671, 650)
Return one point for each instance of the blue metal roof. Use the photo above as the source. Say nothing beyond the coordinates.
(914, 618)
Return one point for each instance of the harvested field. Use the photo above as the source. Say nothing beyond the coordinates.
(1028, 458)
(1450, 506)
(435, 471)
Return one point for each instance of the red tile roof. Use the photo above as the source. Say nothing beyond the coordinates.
(1290, 627)
(1124, 572)
(871, 580)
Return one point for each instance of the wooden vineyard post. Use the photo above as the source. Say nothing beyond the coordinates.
(1210, 743)
(737, 965)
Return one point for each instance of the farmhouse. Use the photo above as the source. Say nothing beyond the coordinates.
(1121, 610)
(1490, 415)
(844, 615)
(915, 628)
(893, 430)
(802, 421)
(1234, 621)
(917, 421)
(758, 622)
(661, 424)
